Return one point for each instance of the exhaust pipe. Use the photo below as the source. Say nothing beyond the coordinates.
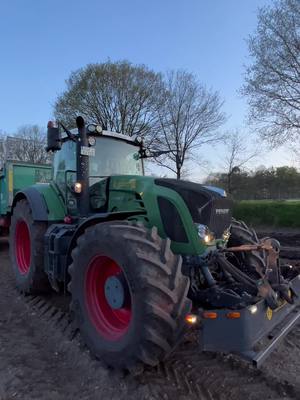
(82, 160)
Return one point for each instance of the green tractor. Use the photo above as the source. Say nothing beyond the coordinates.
(146, 258)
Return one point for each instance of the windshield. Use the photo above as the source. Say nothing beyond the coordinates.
(114, 157)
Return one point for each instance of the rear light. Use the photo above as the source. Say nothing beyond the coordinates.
(209, 315)
(68, 219)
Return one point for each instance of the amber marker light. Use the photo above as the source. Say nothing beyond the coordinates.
(210, 315)
(233, 315)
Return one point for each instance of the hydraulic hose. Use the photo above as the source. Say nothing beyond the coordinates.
(236, 273)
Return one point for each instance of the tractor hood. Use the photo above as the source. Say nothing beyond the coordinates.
(207, 206)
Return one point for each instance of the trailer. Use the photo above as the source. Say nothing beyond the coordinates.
(15, 176)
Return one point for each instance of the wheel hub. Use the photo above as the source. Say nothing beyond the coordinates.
(116, 291)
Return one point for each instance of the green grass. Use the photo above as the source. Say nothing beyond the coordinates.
(277, 214)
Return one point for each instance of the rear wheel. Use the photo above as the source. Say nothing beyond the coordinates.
(27, 250)
(129, 296)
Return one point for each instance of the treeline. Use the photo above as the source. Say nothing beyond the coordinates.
(281, 183)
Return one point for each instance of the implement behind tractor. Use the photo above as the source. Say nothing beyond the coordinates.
(145, 258)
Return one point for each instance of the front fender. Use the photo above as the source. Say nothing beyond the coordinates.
(96, 219)
(44, 201)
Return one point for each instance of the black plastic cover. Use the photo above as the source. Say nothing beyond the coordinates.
(174, 230)
(53, 139)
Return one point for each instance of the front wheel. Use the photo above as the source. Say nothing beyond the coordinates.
(129, 295)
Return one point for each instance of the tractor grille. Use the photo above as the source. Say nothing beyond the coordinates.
(206, 207)
(216, 215)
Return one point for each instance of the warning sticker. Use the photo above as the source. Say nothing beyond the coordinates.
(269, 313)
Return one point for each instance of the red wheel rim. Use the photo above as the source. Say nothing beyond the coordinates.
(23, 247)
(112, 324)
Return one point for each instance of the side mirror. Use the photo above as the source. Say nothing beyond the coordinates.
(53, 137)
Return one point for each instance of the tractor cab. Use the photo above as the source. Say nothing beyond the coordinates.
(85, 159)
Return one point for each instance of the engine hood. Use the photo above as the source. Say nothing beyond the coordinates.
(207, 206)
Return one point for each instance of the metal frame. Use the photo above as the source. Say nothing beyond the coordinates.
(242, 335)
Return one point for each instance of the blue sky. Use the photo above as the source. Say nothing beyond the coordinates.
(42, 41)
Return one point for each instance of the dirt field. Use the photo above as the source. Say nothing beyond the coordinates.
(40, 359)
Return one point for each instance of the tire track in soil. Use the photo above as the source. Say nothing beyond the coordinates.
(69, 372)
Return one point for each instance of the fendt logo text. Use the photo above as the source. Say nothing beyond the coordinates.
(222, 211)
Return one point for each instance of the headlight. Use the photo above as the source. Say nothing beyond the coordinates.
(99, 129)
(91, 128)
(204, 233)
(226, 235)
(253, 309)
(77, 187)
(91, 140)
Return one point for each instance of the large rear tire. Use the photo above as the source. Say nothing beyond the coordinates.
(151, 320)
(27, 250)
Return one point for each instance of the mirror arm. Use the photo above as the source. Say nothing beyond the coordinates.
(154, 154)
(70, 135)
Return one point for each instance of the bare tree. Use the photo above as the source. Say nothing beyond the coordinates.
(119, 96)
(188, 118)
(28, 144)
(273, 79)
(32, 142)
(238, 154)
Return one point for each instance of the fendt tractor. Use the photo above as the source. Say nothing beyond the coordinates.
(144, 259)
